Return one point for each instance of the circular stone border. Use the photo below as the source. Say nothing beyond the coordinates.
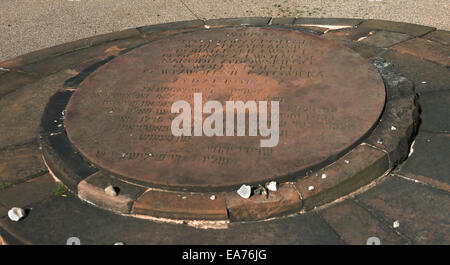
(378, 153)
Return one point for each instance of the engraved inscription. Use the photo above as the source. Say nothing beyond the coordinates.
(120, 116)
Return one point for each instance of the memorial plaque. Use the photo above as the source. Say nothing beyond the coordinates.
(120, 117)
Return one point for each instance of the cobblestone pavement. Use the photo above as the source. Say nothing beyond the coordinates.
(26, 26)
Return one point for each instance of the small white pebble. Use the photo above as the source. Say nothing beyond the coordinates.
(119, 244)
(310, 187)
(16, 214)
(396, 224)
(110, 191)
(324, 176)
(207, 26)
(213, 197)
(245, 191)
(183, 198)
(272, 186)
(424, 82)
(346, 161)
(393, 128)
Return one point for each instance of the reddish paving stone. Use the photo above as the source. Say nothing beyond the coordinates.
(385, 39)
(10, 81)
(92, 189)
(429, 161)
(441, 36)
(181, 205)
(54, 220)
(435, 111)
(364, 165)
(285, 200)
(427, 76)
(24, 194)
(83, 57)
(425, 49)
(68, 47)
(19, 162)
(355, 225)
(410, 29)
(423, 212)
(21, 111)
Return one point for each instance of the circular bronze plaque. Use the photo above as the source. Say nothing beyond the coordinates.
(120, 117)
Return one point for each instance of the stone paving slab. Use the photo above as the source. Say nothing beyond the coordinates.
(385, 39)
(18, 163)
(429, 161)
(356, 224)
(95, 226)
(427, 76)
(406, 28)
(10, 81)
(425, 49)
(423, 213)
(24, 194)
(21, 111)
(435, 111)
(441, 36)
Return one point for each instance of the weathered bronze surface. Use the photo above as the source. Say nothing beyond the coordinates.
(120, 119)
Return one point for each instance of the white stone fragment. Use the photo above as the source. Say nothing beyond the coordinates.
(110, 191)
(393, 128)
(346, 161)
(396, 224)
(310, 187)
(272, 186)
(16, 213)
(324, 176)
(245, 191)
(207, 26)
(213, 197)
(119, 244)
